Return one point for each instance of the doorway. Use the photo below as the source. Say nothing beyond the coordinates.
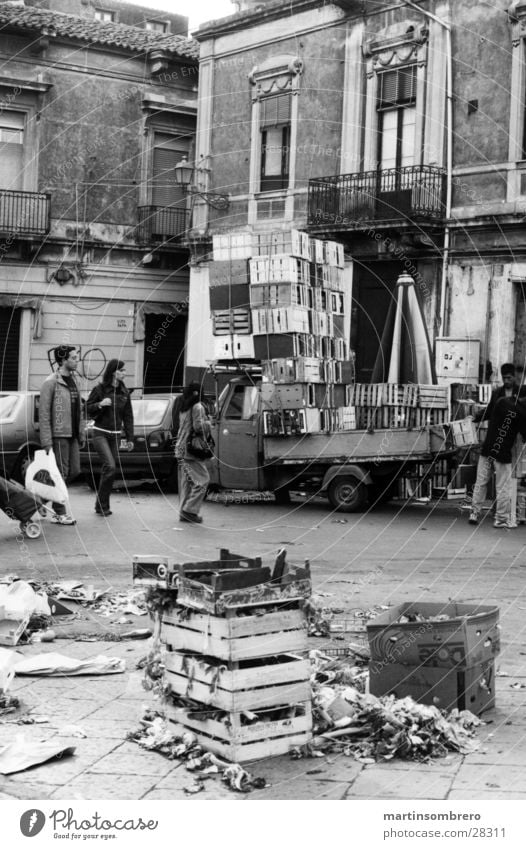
(372, 292)
(164, 347)
(10, 343)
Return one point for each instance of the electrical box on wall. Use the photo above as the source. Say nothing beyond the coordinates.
(457, 360)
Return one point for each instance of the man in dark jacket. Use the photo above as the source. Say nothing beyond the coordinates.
(511, 388)
(507, 419)
(62, 422)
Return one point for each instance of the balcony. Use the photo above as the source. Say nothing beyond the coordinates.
(164, 224)
(414, 194)
(24, 213)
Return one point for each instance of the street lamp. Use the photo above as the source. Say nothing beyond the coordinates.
(184, 173)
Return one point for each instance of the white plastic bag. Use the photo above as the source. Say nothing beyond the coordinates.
(44, 479)
(20, 600)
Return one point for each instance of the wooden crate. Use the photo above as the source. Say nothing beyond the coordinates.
(226, 322)
(405, 394)
(240, 743)
(238, 346)
(235, 638)
(281, 320)
(250, 685)
(436, 397)
(279, 269)
(232, 246)
(292, 242)
(464, 432)
(367, 394)
(279, 295)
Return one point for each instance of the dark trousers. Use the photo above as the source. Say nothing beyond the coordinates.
(107, 447)
(66, 450)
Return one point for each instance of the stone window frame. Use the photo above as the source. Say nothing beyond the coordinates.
(398, 46)
(25, 97)
(279, 74)
(408, 42)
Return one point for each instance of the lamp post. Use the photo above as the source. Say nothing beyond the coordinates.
(184, 174)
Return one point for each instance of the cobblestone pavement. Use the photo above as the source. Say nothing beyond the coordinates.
(393, 555)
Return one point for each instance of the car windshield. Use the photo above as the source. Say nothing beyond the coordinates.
(149, 411)
(7, 406)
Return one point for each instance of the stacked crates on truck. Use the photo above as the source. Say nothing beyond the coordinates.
(278, 297)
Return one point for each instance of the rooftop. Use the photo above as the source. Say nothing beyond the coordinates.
(126, 37)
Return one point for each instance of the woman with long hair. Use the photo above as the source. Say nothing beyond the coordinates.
(110, 406)
(193, 473)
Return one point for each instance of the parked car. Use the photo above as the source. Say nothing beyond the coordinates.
(153, 454)
(152, 457)
(19, 432)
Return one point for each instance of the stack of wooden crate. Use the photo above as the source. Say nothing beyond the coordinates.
(391, 405)
(278, 297)
(232, 640)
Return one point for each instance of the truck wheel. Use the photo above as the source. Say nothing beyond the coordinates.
(282, 495)
(347, 494)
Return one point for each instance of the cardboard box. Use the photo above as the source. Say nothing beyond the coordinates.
(229, 297)
(471, 688)
(469, 637)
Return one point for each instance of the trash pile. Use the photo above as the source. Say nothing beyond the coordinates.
(156, 734)
(350, 720)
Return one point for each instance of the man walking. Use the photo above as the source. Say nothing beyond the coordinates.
(507, 418)
(62, 422)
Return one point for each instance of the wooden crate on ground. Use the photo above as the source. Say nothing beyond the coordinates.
(252, 684)
(238, 742)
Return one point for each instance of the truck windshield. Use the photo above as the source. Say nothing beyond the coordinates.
(243, 403)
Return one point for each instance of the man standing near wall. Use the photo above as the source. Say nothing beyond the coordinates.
(62, 422)
(496, 452)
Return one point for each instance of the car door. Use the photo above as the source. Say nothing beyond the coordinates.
(238, 438)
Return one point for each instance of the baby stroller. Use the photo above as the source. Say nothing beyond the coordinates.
(18, 503)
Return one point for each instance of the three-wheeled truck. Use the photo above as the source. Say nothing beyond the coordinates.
(353, 468)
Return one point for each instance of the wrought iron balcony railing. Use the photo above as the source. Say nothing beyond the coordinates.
(350, 201)
(24, 213)
(162, 224)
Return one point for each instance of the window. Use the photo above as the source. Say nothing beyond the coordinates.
(12, 149)
(104, 16)
(243, 403)
(274, 124)
(157, 26)
(396, 106)
(168, 150)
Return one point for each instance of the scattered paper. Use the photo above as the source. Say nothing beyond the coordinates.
(58, 664)
(21, 755)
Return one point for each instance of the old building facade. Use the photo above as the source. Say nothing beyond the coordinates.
(396, 128)
(95, 111)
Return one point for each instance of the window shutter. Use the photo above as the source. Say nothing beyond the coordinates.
(165, 191)
(275, 110)
(397, 87)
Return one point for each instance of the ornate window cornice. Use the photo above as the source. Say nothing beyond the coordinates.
(398, 44)
(276, 74)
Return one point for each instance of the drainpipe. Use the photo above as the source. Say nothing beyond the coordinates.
(449, 155)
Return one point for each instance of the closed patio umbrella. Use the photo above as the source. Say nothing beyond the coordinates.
(405, 354)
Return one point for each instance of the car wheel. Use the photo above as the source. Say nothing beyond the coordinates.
(22, 462)
(171, 483)
(92, 480)
(347, 494)
(282, 495)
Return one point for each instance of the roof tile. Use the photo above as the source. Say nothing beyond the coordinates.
(96, 32)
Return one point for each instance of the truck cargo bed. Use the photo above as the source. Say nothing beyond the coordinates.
(357, 445)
